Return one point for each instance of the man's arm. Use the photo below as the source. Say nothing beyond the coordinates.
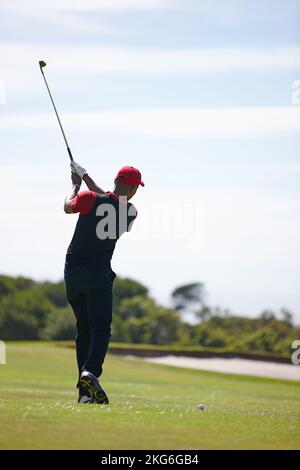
(92, 185)
(76, 180)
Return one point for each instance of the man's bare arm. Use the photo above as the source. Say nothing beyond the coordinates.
(76, 180)
(92, 185)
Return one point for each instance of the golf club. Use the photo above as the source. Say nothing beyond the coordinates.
(43, 64)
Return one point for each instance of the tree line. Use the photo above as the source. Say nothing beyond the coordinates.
(31, 310)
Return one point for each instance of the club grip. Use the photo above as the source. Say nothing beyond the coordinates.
(70, 154)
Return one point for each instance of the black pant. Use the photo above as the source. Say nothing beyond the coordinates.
(89, 291)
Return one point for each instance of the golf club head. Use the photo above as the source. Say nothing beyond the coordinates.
(42, 64)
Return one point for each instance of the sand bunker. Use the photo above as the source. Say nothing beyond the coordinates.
(233, 366)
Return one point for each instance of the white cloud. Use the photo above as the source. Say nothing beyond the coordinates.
(137, 61)
(85, 5)
(18, 62)
(72, 23)
(67, 15)
(219, 123)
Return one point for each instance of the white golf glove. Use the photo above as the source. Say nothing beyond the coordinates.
(79, 170)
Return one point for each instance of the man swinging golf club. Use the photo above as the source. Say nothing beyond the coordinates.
(103, 217)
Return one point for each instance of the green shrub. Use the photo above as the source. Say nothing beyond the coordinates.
(60, 325)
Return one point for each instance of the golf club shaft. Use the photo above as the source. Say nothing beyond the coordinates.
(65, 139)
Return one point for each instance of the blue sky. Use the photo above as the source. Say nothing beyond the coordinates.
(198, 95)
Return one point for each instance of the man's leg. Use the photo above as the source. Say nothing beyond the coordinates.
(83, 336)
(99, 311)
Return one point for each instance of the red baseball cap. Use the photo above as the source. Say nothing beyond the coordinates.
(130, 175)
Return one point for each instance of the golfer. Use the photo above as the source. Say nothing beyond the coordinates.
(103, 217)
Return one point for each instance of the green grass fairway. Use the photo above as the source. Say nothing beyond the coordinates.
(152, 406)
